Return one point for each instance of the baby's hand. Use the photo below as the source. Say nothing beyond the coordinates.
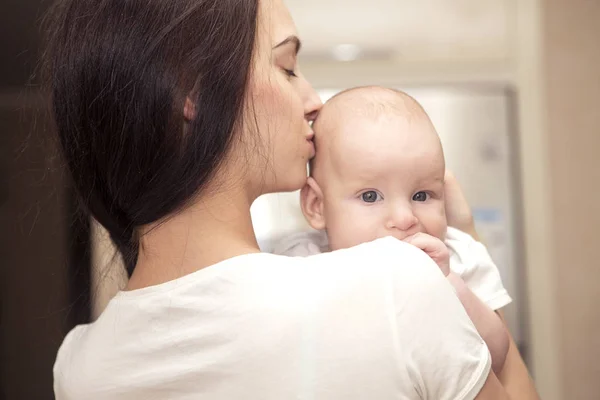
(434, 247)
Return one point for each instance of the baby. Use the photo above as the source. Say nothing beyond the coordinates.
(379, 171)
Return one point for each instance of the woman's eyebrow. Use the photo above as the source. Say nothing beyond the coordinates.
(290, 39)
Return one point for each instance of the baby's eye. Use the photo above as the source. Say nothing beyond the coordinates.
(371, 196)
(420, 196)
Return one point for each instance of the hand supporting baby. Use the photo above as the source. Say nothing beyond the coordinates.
(458, 211)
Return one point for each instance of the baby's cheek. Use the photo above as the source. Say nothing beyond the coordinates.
(352, 228)
(435, 223)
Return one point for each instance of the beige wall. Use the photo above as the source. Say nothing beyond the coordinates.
(558, 70)
(543, 318)
(572, 86)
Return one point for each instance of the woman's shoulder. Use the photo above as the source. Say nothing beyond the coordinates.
(387, 255)
(331, 301)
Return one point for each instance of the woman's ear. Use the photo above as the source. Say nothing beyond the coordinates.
(311, 202)
(189, 110)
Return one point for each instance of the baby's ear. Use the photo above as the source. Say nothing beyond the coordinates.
(311, 201)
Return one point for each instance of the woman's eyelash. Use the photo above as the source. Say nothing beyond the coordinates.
(290, 72)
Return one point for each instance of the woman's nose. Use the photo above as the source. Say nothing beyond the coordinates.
(312, 102)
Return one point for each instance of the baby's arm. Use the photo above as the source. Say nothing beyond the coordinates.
(488, 323)
(514, 377)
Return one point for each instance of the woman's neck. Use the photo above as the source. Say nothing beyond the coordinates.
(214, 228)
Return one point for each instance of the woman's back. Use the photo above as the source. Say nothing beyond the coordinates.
(344, 325)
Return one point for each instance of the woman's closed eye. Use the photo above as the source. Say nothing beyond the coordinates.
(290, 73)
(371, 196)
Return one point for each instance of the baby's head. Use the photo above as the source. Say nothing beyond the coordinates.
(379, 169)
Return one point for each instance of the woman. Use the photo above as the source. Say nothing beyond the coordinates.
(173, 116)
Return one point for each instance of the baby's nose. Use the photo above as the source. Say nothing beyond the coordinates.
(402, 218)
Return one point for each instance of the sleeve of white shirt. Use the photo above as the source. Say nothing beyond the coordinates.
(441, 349)
(472, 262)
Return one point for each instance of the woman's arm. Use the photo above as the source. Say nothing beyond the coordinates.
(514, 376)
(493, 390)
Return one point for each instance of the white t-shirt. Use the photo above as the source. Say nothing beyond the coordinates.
(468, 258)
(377, 321)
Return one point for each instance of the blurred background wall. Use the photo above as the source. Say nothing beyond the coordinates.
(542, 55)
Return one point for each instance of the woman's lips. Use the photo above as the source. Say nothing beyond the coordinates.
(312, 147)
(309, 138)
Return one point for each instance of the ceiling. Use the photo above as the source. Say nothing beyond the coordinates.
(401, 29)
(407, 29)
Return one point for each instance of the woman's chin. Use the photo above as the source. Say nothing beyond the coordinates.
(295, 185)
(293, 181)
(286, 183)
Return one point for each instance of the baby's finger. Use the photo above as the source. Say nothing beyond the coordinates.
(425, 242)
(434, 248)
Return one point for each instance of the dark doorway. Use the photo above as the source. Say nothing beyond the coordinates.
(44, 247)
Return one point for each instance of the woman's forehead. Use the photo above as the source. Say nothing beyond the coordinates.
(276, 18)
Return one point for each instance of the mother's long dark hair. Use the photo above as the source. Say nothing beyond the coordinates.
(119, 72)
